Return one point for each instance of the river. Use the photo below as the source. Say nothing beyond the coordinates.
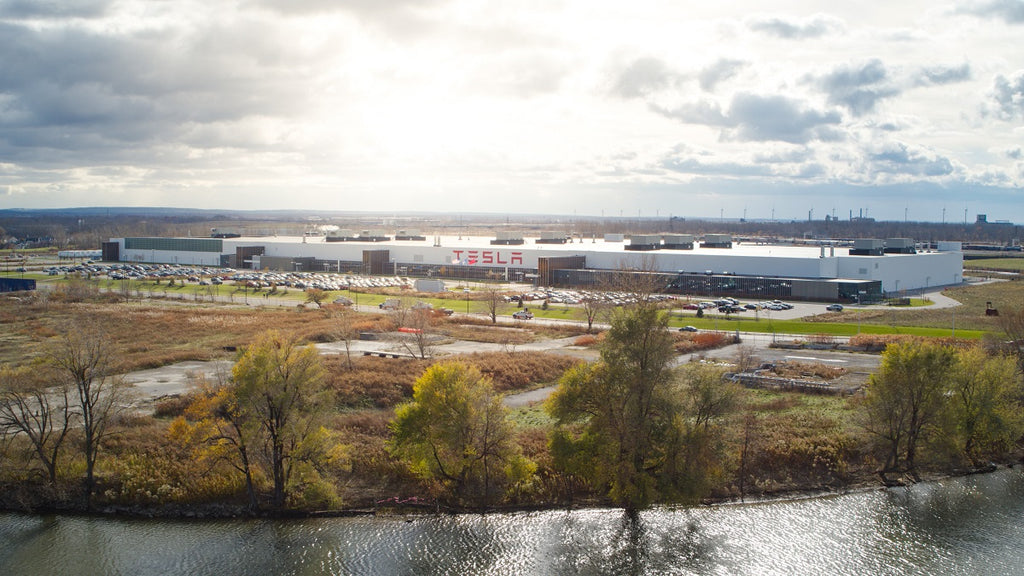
(970, 526)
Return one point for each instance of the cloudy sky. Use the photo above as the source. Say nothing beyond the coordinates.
(717, 109)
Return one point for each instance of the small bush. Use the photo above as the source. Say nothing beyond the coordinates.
(585, 340)
(696, 342)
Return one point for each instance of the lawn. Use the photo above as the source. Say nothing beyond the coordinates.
(999, 264)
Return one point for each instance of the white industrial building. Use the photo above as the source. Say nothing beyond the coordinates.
(872, 266)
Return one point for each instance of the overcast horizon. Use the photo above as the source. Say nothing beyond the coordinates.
(911, 110)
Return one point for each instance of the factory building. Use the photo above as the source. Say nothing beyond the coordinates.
(715, 265)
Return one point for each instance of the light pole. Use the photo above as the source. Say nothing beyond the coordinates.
(466, 292)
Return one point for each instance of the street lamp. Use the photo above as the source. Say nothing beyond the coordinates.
(466, 292)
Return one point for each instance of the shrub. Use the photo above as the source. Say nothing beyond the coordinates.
(522, 370)
(695, 342)
(585, 340)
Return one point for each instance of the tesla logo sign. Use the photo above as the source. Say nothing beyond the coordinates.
(471, 257)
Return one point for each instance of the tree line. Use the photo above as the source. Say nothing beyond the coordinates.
(630, 429)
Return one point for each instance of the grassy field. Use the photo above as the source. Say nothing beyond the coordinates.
(1007, 264)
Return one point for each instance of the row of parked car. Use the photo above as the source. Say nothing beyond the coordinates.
(579, 296)
(732, 306)
(207, 275)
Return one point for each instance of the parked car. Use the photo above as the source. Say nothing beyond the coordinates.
(688, 329)
(522, 315)
(834, 307)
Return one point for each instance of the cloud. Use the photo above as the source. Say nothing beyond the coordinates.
(899, 158)
(644, 76)
(754, 117)
(1008, 95)
(764, 118)
(371, 8)
(1015, 154)
(54, 9)
(106, 95)
(858, 88)
(1009, 11)
(796, 29)
(942, 75)
(721, 70)
(706, 112)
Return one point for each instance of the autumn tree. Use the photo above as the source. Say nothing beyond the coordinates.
(32, 407)
(279, 387)
(455, 432)
(84, 364)
(708, 400)
(986, 404)
(905, 400)
(623, 408)
(215, 429)
(316, 296)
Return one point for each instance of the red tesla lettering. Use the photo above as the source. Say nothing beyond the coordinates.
(517, 258)
(500, 261)
(488, 257)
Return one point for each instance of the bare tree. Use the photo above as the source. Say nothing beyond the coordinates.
(746, 358)
(637, 277)
(345, 330)
(43, 414)
(1012, 323)
(493, 299)
(419, 337)
(84, 362)
(592, 306)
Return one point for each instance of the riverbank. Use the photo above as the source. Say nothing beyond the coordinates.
(415, 507)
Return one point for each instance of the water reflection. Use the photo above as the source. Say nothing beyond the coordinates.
(960, 526)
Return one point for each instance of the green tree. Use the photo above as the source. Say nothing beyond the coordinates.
(985, 404)
(279, 386)
(905, 400)
(619, 419)
(456, 432)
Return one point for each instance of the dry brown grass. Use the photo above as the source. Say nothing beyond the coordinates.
(807, 370)
(147, 335)
(585, 340)
(521, 370)
(373, 381)
(484, 332)
(384, 382)
(688, 342)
